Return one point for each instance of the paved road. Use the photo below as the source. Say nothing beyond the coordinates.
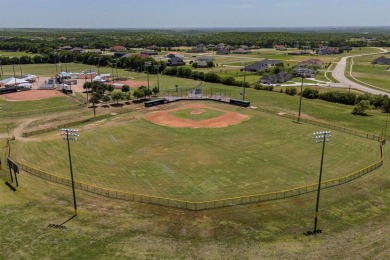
(338, 74)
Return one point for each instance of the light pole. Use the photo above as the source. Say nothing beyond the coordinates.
(387, 117)
(1, 70)
(320, 137)
(147, 65)
(300, 101)
(87, 88)
(243, 85)
(158, 80)
(71, 134)
(66, 67)
(13, 67)
(112, 71)
(20, 66)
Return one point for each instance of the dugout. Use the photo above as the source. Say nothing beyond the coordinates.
(241, 103)
(155, 102)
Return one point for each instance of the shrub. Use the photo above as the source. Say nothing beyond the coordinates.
(292, 91)
(310, 93)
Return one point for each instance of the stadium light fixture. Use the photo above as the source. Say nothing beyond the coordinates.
(319, 137)
(71, 135)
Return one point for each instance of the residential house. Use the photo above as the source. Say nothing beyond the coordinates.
(325, 50)
(202, 61)
(149, 52)
(77, 49)
(197, 49)
(152, 47)
(66, 48)
(119, 54)
(310, 63)
(382, 61)
(306, 72)
(174, 54)
(241, 51)
(299, 52)
(261, 65)
(210, 46)
(276, 78)
(222, 52)
(175, 61)
(118, 48)
(345, 48)
(280, 47)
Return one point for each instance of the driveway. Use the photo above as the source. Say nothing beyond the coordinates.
(338, 74)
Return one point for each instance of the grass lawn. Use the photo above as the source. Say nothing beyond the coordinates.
(20, 106)
(373, 74)
(264, 154)
(15, 54)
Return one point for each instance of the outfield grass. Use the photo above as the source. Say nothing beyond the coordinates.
(263, 154)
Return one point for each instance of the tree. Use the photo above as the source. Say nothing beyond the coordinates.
(125, 88)
(155, 91)
(87, 85)
(95, 98)
(128, 96)
(361, 107)
(138, 93)
(117, 95)
(106, 99)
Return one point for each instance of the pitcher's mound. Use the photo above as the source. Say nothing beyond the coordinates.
(186, 116)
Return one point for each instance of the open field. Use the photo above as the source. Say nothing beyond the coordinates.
(19, 106)
(373, 74)
(14, 54)
(198, 164)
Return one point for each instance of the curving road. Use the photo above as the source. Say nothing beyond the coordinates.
(338, 74)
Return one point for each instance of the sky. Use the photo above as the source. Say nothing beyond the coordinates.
(192, 13)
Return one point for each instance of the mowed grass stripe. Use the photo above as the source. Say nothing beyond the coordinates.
(264, 154)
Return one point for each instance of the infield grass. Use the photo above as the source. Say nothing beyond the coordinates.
(192, 114)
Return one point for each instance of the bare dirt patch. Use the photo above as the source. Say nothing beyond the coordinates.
(134, 83)
(165, 118)
(32, 95)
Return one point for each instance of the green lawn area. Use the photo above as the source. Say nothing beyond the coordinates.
(256, 156)
(14, 54)
(373, 74)
(21, 106)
